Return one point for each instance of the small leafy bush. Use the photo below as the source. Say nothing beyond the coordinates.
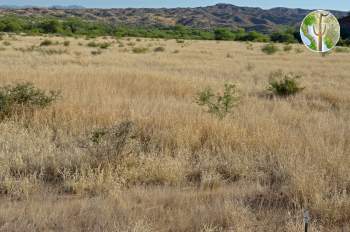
(159, 49)
(23, 97)
(270, 49)
(139, 50)
(46, 42)
(220, 104)
(284, 85)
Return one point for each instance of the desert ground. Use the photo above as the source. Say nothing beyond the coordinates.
(173, 166)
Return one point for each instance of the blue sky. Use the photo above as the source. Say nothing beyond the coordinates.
(308, 4)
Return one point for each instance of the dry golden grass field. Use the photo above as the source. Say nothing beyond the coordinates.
(170, 165)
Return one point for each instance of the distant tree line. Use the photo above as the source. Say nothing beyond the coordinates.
(75, 26)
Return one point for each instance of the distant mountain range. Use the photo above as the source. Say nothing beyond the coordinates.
(219, 15)
(32, 6)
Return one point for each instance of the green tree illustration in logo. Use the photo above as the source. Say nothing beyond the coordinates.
(320, 31)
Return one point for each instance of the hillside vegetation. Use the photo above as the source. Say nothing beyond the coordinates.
(145, 134)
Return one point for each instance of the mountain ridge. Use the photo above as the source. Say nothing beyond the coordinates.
(219, 15)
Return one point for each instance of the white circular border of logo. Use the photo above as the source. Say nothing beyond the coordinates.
(303, 37)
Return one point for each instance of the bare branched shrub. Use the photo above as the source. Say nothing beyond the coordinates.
(106, 145)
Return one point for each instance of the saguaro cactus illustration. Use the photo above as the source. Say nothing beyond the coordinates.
(321, 31)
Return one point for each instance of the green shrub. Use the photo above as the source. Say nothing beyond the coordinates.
(139, 50)
(159, 49)
(220, 105)
(270, 49)
(46, 42)
(284, 85)
(66, 43)
(23, 97)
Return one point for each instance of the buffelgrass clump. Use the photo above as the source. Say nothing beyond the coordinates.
(52, 51)
(229, 55)
(138, 40)
(284, 85)
(92, 44)
(250, 67)
(159, 49)
(341, 50)
(24, 97)
(139, 50)
(96, 52)
(287, 48)
(298, 50)
(220, 104)
(180, 41)
(104, 45)
(176, 51)
(325, 54)
(66, 43)
(270, 49)
(27, 49)
(131, 44)
(250, 46)
(46, 42)
(6, 43)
